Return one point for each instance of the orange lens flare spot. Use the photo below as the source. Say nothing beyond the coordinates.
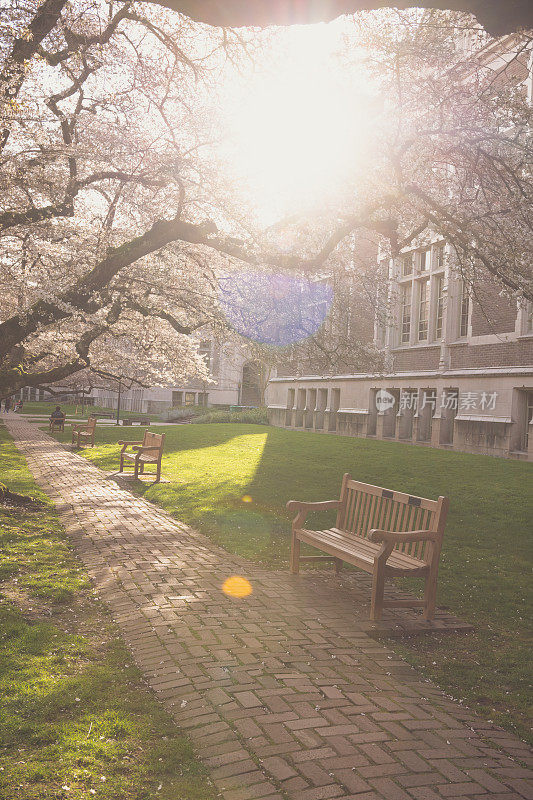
(246, 498)
(236, 586)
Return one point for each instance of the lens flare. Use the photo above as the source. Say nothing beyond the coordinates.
(237, 586)
(272, 309)
(246, 498)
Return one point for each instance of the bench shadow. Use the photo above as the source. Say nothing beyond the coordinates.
(127, 480)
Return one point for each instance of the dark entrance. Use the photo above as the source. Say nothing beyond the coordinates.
(252, 375)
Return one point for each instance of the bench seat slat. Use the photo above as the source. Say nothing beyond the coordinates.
(142, 457)
(363, 551)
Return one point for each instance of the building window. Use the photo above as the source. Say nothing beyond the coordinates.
(465, 307)
(439, 257)
(177, 398)
(407, 264)
(529, 318)
(204, 350)
(529, 418)
(423, 260)
(423, 306)
(189, 398)
(439, 306)
(406, 314)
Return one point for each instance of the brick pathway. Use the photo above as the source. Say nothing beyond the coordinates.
(283, 693)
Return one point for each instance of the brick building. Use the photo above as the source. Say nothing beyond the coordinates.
(459, 369)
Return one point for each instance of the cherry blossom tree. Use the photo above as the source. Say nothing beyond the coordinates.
(105, 225)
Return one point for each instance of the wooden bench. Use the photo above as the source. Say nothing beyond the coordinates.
(149, 451)
(138, 420)
(383, 532)
(84, 432)
(57, 423)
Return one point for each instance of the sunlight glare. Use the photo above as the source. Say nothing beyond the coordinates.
(299, 128)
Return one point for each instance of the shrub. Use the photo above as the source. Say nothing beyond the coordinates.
(256, 416)
(182, 412)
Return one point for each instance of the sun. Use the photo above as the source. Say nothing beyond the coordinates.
(299, 128)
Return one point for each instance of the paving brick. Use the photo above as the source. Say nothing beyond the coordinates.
(279, 768)
(321, 793)
(247, 699)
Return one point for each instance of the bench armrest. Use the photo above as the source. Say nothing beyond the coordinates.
(302, 509)
(120, 441)
(146, 447)
(397, 537)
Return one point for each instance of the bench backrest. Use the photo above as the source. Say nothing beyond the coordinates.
(154, 440)
(365, 507)
(91, 424)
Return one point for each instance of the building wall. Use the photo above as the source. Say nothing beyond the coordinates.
(416, 359)
(492, 312)
(497, 354)
(479, 411)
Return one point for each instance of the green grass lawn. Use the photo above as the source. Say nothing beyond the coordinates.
(232, 482)
(76, 719)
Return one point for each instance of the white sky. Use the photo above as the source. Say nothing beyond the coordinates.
(299, 125)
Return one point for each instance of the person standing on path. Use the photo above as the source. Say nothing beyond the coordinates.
(7, 404)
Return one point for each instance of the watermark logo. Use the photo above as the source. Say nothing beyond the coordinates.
(449, 400)
(384, 400)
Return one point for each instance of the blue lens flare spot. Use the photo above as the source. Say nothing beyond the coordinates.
(274, 309)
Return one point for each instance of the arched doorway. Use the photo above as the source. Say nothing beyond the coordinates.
(251, 383)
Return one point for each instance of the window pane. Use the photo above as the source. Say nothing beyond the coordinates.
(423, 306)
(407, 264)
(465, 305)
(406, 314)
(439, 311)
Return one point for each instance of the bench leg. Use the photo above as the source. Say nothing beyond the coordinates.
(338, 565)
(295, 555)
(378, 588)
(158, 472)
(136, 469)
(430, 595)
